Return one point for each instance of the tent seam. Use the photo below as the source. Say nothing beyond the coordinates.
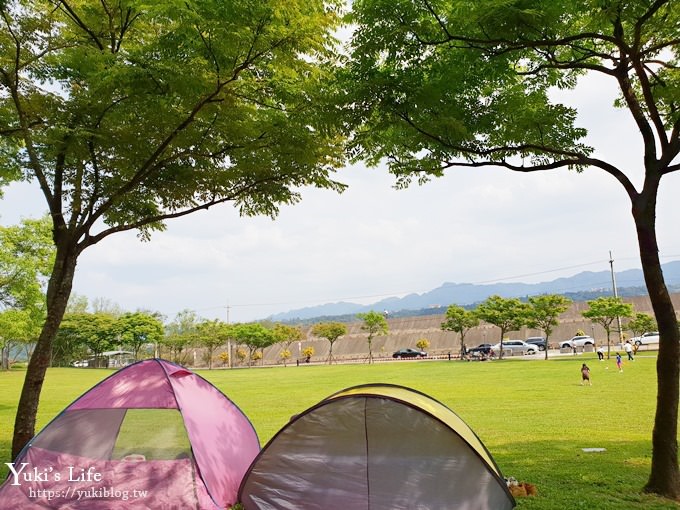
(195, 463)
(120, 426)
(368, 477)
(492, 468)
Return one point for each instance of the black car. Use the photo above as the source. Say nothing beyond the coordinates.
(409, 353)
(538, 341)
(479, 350)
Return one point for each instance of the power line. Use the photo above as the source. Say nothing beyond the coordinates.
(394, 294)
(391, 294)
(499, 280)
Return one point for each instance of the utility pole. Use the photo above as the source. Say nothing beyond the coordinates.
(616, 295)
(229, 339)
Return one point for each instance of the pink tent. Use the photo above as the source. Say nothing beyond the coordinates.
(154, 435)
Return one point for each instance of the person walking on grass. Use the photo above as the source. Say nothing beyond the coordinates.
(619, 362)
(585, 375)
(629, 350)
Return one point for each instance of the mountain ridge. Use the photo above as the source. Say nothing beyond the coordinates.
(468, 293)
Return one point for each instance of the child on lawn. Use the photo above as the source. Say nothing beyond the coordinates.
(585, 375)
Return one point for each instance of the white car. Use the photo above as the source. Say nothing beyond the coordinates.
(651, 337)
(577, 341)
(515, 346)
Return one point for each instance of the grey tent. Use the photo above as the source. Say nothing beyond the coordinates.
(377, 447)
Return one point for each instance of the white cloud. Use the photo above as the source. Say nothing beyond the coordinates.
(469, 226)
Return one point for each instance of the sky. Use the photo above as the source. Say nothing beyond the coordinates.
(372, 241)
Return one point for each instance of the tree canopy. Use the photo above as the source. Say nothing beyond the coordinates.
(543, 313)
(26, 255)
(374, 323)
(181, 333)
(605, 310)
(641, 323)
(437, 84)
(460, 320)
(444, 83)
(83, 332)
(139, 329)
(127, 114)
(254, 336)
(507, 314)
(18, 327)
(210, 335)
(331, 331)
(286, 334)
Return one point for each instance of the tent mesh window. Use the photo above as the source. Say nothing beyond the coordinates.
(118, 434)
(152, 434)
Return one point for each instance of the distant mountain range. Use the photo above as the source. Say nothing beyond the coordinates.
(586, 283)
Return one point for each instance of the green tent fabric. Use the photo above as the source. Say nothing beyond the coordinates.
(375, 447)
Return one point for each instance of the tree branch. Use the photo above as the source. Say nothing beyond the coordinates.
(90, 240)
(650, 103)
(636, 110)
(637, 31)
(151, 162)
(74, 17)
(655, 49)
(436, 16)
(564, 158)
(640, 72)
(463, 149)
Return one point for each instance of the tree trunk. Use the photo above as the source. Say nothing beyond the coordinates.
(5, 356)
(58, 292)
(664, 478)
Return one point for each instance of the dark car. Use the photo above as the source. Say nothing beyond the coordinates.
(479, 350)
(538, 341)
(409, 353)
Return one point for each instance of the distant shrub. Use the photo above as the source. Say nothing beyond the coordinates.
(423, 344)
(241, 354)
(224, 358)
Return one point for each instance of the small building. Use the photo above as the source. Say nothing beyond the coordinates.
(108, 359)
(118, 359)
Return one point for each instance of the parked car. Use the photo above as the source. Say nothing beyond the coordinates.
(481, 349)
(409, 353)
(538, 341)
(577, 341)
(516, 346)
(651, 337)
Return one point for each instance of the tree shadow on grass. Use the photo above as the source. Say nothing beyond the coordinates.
(568, 477)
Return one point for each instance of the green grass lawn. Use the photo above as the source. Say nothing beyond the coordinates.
(533, 416)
